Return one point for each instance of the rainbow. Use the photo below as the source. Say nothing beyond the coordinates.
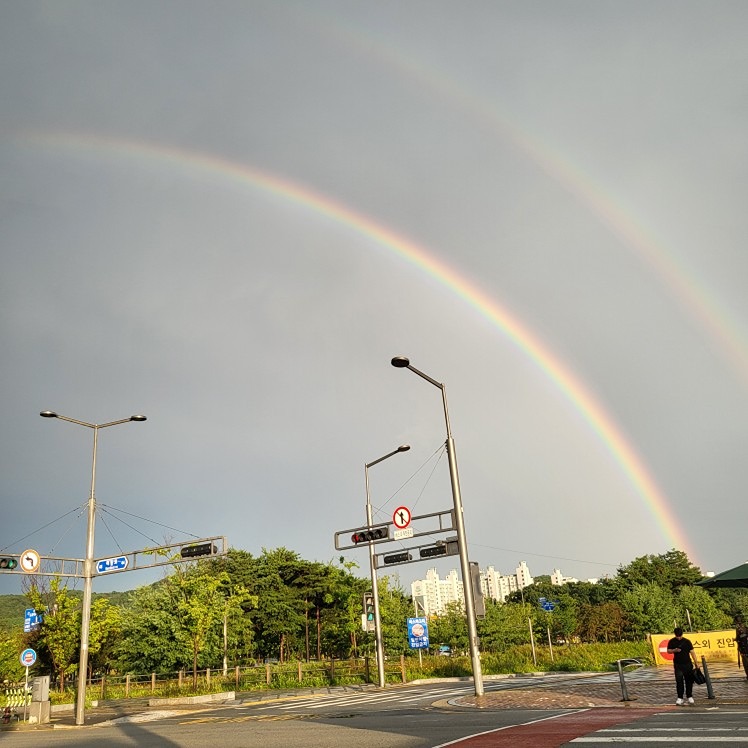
(682, 283)
(523, 339)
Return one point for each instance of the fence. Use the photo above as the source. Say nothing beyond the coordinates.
(248, 678)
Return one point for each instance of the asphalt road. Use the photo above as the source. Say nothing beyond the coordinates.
(407, 716)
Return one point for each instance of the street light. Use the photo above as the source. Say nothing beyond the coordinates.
(88, 565)
(401, 362)
(373, 570)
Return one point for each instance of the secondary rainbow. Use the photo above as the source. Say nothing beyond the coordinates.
(528, 343)
(682, 283)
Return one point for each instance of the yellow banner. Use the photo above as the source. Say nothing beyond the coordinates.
(715, 646)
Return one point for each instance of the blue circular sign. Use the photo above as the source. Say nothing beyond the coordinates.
(28, 657)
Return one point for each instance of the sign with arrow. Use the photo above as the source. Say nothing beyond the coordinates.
(111, 564)
(401, 517)
(30, 561)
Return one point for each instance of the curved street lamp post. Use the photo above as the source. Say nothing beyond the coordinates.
(88, 565)
(401, 362)
(373, 570)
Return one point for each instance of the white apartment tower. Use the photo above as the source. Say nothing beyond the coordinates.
(432, 595)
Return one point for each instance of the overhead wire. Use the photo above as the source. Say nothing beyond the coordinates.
(441, 449)
(39, 529)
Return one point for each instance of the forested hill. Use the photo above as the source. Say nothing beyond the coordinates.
(12, 607)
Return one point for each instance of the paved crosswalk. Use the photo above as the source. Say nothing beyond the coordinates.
(394, 697)
(682, 727)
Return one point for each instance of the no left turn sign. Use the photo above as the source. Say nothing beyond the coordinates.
(401, 517)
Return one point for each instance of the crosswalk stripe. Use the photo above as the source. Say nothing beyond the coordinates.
(377, 698)
(661, 739)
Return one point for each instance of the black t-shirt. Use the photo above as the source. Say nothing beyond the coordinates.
(681, 659)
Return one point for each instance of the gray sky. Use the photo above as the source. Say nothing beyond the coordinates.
(229, 216)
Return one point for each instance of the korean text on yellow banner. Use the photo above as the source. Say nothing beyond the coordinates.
(716, 646)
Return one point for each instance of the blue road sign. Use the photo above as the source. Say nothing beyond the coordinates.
(111, 564)
(418, 633)
(31, 620)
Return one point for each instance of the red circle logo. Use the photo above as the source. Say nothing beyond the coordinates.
(662, 648)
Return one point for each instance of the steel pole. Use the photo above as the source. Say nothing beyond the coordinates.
(373, 568)
(375, 590)
(401, 362)
(88, 570)
(80, 701)
(464, 562)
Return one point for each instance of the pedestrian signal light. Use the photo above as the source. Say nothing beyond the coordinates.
(200, 549)
(369, 606)
(366, 536)
(8, 563)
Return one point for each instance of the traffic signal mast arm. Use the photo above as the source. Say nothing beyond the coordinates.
(446, 547)
(143, 559)
(359, 537)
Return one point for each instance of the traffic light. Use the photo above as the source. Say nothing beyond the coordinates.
(398, 558)
(448, 547)
(434, 550)
(479, 604)
(200, 549)
(375, 533)
(8, 563)
(368, 623)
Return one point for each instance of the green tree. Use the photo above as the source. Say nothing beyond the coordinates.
(602, 622)
(150, 641)
(649, 609)
(11, 646)
(198, 604)
(339, 617)
(395, 609)
(698, 605)
(280, 608)
(450, 628)
(59, 634)
(104, 634)
(563, 619)
(671, 570)
(733, 602)
(504, 626)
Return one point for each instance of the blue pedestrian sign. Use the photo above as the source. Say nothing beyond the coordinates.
(418, 633)
(111, 564)
(547, 605)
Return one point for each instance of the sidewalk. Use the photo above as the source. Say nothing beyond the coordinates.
(646, 687)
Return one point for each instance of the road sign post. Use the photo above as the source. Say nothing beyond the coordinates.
(28, 658)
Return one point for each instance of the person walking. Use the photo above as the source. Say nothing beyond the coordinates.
(741, 638)
(684, 661)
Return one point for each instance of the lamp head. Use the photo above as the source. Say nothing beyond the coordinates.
(48, 414)
(138, 418)
(400, 362)
(403, 448)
